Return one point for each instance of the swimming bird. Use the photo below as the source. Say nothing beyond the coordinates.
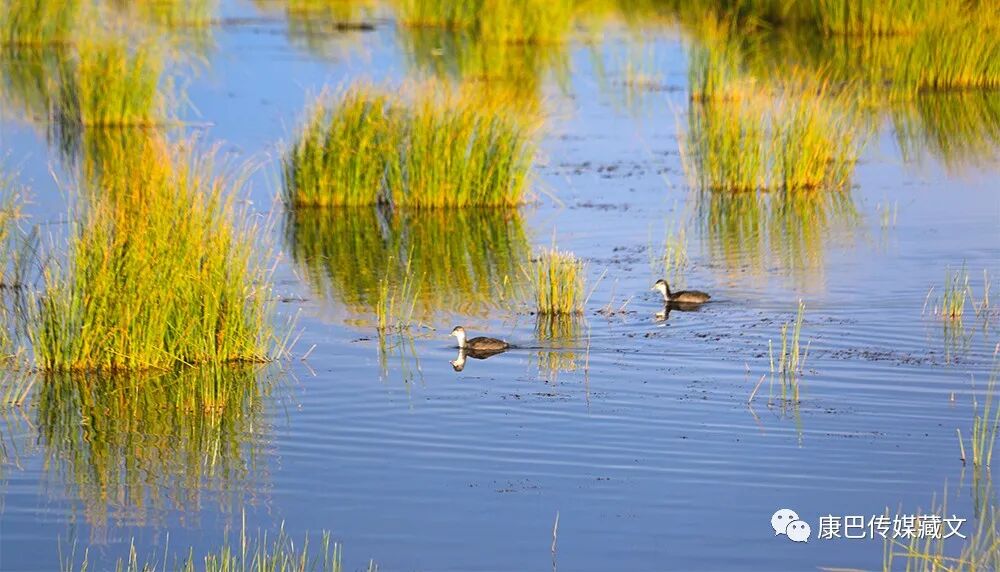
(680, 297)
(478, 344)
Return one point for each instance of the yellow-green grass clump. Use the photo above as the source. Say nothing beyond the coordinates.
(172, 14)
(38, 22)
(342, 152)
(112, 85)
(426, 151)
(160, 272)
(513, 21)
(805, 139)
(558, 278)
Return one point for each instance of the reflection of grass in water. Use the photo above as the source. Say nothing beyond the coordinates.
(558, 280)
(510, 21)
(262, 552)
(38, 22)
(499, 71)
(466, 261)
(160, 271)
(129, 447)
(560, 335)
(784, 229)
(29, 87)
(960, 128)
(112, 84)
(171, 14)
(424, 150)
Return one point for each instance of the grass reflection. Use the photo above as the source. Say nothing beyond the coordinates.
(465, 262)
(129, 447)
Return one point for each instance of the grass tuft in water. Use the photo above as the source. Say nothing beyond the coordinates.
(342, 151)
(423, 150)
(161, 271)
(791, 358)
(558, 280)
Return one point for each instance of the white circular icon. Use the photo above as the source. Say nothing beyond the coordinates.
(781, 519)
(798, 530)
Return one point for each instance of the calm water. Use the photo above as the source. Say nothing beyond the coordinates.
(635, 431)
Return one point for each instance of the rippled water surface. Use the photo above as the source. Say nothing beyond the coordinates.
(635, 431)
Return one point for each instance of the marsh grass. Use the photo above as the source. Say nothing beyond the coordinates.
(38, 22)
(129, 448)
(791, 357)
(425, 150)
(257, 551)
(161, 271)
(111, 84)
(871, 18)
(173, 14)
(342, 152)
(558, 280)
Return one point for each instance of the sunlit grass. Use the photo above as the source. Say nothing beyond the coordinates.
(172, 14)
(38, 22)
(161, 271)
(558, 280)
(342, 152)
(951, 305)
(112, 85)
(422, 150)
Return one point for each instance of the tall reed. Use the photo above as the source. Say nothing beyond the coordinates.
(559, 279)
(161, 271)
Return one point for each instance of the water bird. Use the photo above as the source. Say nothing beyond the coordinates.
(478, 344)
(681, 296)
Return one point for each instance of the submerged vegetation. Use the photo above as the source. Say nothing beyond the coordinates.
(558, 280)
(423, 150)
(160, 271)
